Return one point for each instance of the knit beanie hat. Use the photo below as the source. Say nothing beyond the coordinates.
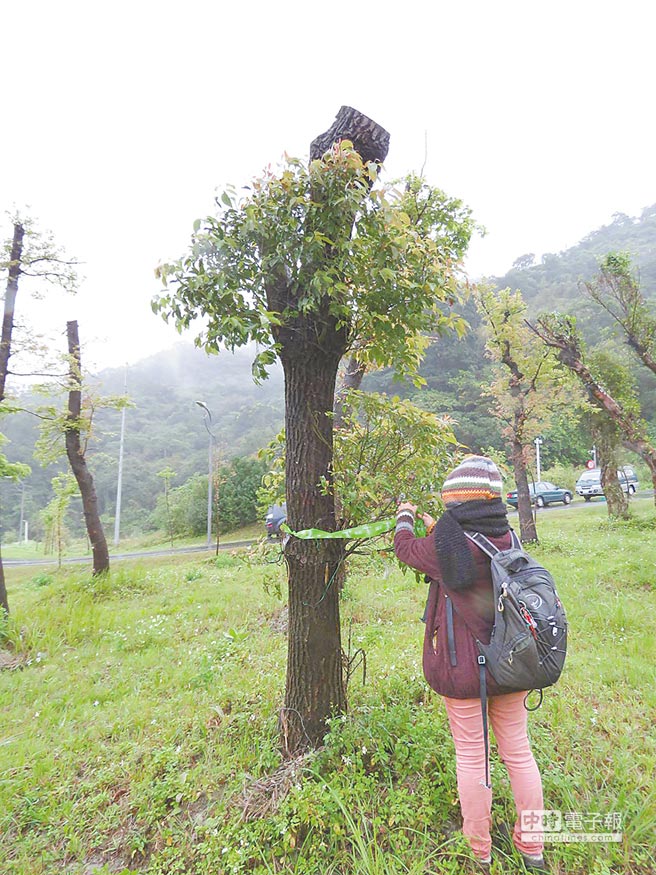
(476, 478)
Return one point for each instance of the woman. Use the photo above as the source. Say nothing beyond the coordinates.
(460, 609)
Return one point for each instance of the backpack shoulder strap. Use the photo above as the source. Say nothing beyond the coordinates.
(487, 546)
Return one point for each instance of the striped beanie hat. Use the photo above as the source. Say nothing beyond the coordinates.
(476, 478)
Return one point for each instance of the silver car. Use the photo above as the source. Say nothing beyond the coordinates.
(589, 483)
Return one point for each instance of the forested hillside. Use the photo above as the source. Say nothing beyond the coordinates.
(165, 427)
(553, 284)
(454, 370)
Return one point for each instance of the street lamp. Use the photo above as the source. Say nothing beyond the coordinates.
(207, 419)
(537, 443)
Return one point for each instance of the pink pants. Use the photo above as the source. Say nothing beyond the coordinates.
(509, 719)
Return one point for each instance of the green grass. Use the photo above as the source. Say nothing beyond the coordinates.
(139, 730)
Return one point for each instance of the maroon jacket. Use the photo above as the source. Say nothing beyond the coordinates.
(450, 660)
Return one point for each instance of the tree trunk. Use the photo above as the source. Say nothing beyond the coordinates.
(311, 348)
(527, 528)
(315, 686)
(5, 348)
(76, 458)
(10, 302)
(4, 601)
(606, 441)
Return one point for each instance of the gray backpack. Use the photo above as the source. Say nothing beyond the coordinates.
(529, 637)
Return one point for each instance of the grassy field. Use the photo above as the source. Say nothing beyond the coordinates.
(139, 720)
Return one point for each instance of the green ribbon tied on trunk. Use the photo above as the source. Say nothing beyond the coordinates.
(367, 530)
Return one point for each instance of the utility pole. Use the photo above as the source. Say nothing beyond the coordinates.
(22, 524)
(537, 443)
(207, 419)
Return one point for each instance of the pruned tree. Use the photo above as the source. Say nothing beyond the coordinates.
(559, 332)
(616, 289)
(307, 263)
(529, 387)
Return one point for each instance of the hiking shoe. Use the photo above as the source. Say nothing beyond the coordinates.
(534, 863)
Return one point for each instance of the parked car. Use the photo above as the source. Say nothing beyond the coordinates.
(276, 515)
(542, 493)
(589, 483)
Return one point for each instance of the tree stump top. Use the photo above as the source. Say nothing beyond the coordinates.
(370, 140)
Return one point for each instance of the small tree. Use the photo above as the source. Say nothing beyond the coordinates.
(53, 515)
(384, 447)
(560, 333)
(616, 289)
(167, 474)
(528, 387)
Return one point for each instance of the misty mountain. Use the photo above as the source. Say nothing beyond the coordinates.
(164, 428)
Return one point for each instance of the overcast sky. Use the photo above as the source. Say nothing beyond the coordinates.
(120, 120)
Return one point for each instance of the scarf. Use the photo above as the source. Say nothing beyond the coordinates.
(489, 517)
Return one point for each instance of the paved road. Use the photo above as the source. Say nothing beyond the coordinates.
(143, 554)
(579, 503)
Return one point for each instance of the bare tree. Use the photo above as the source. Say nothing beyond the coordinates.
(76, 455)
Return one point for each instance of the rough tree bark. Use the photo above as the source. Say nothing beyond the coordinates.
(527, 528)
(15, 259)
(606, 440)
(10, 302)
(76, 458)
(311, 348)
